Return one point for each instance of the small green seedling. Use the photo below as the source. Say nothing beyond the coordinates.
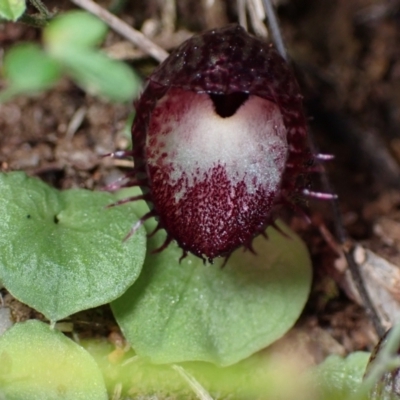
(70, 47)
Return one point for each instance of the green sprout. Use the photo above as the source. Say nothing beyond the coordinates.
(70, 47)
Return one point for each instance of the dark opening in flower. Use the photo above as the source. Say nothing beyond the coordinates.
(226, 105)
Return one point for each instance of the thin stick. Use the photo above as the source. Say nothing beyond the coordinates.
(241, 7)
(346, 244)
(168, 15)
(386, 360)
(257, 16)
(275, 30)
(347, 247)
(199, 390)
(123, 29)
(44, 12)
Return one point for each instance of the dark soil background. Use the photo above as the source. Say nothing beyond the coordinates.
(346, 55)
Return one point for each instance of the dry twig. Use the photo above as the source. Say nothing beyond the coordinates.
(123, 29)
(257, 16)
(241, 7)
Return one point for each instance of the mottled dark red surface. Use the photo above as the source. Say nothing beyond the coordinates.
(208, 221)
(221, 62)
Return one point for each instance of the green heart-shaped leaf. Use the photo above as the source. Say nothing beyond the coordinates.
(62, 252)
(189, 311)
(38, 363)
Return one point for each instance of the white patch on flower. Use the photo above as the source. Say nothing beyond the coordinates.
(251, 144)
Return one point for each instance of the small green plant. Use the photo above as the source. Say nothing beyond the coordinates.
(69, 47)
(62, 252)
